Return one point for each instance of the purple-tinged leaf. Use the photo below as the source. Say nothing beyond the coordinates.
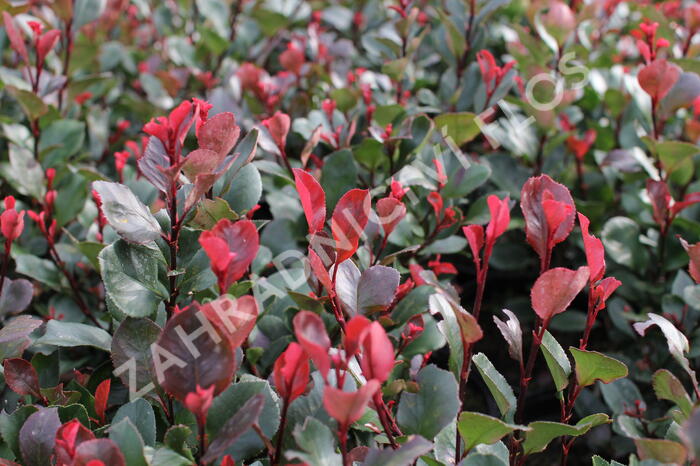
(37, 437)
(236, 426)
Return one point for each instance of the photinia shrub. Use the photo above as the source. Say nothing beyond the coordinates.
(387, 232)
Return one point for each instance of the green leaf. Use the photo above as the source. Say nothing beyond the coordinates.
(620, 237)
(130, 275)
(460, 127)
(463, 182)
(167, 457)
(210, 211)
(677, 160)
(316, 443)
(10, 424)
(385, 114)
(558, 363)
(247, 189)
(140, 413)
(31, 104)
(61, 140)
(131, 352)
(231, 401)
(70, 334)
(24, 173)
(434, 406)
(498, 386)
(477, 428)
(338, 176)
(126, 213)
(662, 450)
(370, 153)
(177, 437)
(668, 387)
(543, 432)
(129, 441)
(592, 366)
(236, 426)
(42, 270)
(407, 453)
(455, 40)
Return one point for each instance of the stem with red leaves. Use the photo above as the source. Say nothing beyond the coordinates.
(343, 438)
(525, 377)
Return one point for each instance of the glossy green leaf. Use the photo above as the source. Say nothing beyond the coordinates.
(592, 365)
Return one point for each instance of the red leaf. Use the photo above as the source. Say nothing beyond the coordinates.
(313, 199)
(500, 217)
(435, 200)
(390, 211)
(68, 437)
(278, 126)
(348, 407)
(242, 241)
(536, 226)
(46, 43)
(235, 318)
(660, 201)
(101, 449)
(603, 290)
(228, 461)
(693, 251)
(688, 200)
(475, 237)
(349, 221)
(555, 289)
(219, 134)
(101, 397)
(595, 253)
(556, 213)
(377, 353)
(191, 351)
(355, 331)
(291, 372)
(321, 272)
(657, 78)
(15, 36)
(21, 377)
(311, 334)
(199, 401)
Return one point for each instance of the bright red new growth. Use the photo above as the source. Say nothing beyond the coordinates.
(235, 318)
(377, 353)
(291, 372)
(311, 334)
(347, 407)
(555, 289)
(313, 199)
(278, 126)
(101, 398)
(68, 437)
(657, 78)
(199, 401)
(349, 221)
(355, 331)
(15, 36)
(219, 133)
(390, 211)
(593, 247)
(231, 247)
(539, 234)
(500, 217)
